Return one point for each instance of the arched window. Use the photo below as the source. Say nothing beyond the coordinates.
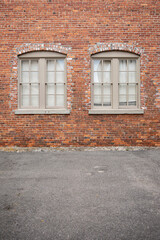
(115, 83)
(42, 82)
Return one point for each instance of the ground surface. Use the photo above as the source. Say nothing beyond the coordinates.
(80, 195)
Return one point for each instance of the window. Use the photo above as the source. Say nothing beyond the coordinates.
(42, 82)
(115, 83)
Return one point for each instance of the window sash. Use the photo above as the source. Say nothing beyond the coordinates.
(103, 98)
(56, 84)
(30, 84)
(128, 84)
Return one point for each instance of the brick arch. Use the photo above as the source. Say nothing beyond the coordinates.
(101, 47)
(30, 47)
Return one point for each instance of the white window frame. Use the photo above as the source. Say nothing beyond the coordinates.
(42, 57)
(114, 57)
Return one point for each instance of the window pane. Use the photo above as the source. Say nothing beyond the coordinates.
(97, 89)
(107, 89)
(25, 89)
(51, 77)
(60, 100)
(132, 77)
(34, 65)
(60, 89)
(25, 65)
(106, 65)
(122, 100)
(123, 65)
(25, 101)
(106, 101)
(132, 65)
(25, 77)
(35, 89)
(60, 65)
(59, 77)
(106, 77)
(35, 101)
(50, 100)
(97, 101)
(122, 89)
(50, 89)
(97, 65)
(97, 77)
(132, 100)
(132, 89)
(50, 65)
(34, 77)
(123, 77)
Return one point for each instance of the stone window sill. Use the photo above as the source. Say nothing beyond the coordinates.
(42, 111)
(116, 111)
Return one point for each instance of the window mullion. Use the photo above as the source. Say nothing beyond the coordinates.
(42, 81)
(127, 93)
(30, 83)
(102, 97)
(65, 85)
(114, 76)
(20, 84)
(55, 84)
(92, 83)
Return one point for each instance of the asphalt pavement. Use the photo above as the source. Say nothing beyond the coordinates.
(80, 195)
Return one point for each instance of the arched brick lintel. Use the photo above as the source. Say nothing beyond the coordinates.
(101, 47)
(30, 47)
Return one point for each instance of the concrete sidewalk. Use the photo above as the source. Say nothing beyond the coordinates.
(80, 195)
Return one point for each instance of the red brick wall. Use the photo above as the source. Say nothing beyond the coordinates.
(80, 28)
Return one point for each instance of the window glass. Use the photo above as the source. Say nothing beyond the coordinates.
(97, 89)
(25, 65)
(34, 77)
(123, 65)
(51, 65)
(34, 100)
(97, 100)
(59, 77)
(132, 77)
(50, 77)
(106, 65)
(97, 65)
(60, 100)
(132, 65)
(123, 77)
(25, 100)
(34, 89)
(34, 65)
(60, 88)
(106, 77)
(106, 101)
(25, 77)
(60, 65)
(50, 101)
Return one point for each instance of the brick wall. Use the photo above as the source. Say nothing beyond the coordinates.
(80, 28)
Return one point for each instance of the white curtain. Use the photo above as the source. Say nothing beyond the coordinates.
(127, 82)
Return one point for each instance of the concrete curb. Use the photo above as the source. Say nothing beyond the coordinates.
(73, 149)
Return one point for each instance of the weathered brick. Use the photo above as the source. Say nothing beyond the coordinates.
(79, 29)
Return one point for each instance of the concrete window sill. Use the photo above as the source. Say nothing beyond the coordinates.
(116, 111)
(42, 111)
